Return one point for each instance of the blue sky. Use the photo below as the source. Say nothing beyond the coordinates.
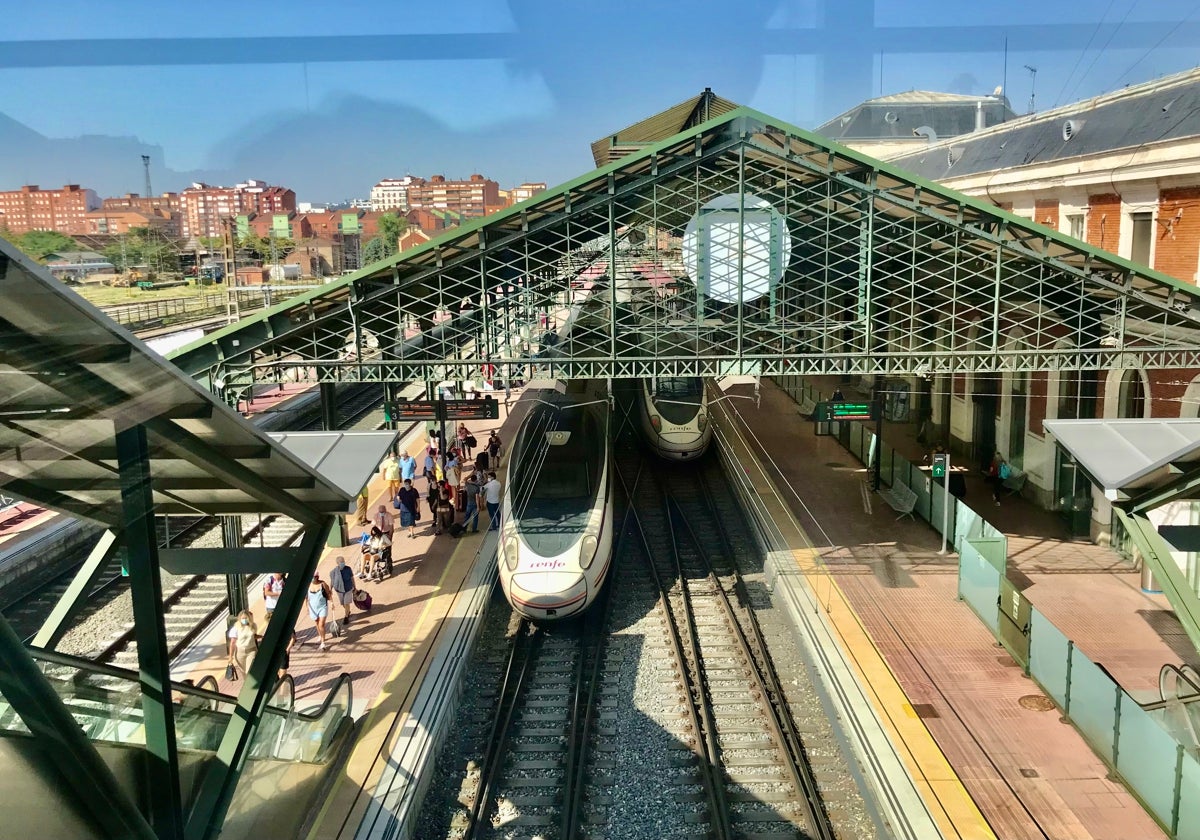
(328, 98)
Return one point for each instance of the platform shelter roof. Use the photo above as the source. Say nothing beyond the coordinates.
(786, 253)
(72, 379)
(1130, 456)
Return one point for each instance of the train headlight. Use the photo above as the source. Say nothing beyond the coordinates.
(512, 552)
(656, 422)
(587, 550)
(702, 421)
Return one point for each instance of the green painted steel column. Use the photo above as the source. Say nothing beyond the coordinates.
(87, 778)
(216, 791)
(76, 596)
(235, 584)
(154, 676)
(328, 392)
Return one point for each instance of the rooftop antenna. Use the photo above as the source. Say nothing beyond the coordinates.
(146, 166)
(1032, 84)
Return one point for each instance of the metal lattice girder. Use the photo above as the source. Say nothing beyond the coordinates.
(742, 246)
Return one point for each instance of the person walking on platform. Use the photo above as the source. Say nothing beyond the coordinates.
(471, 510)
(360, 507)
(391, 474)
(342, 581)
(272, 589)
(431, 466)
(493, 450)
(243, 643)
(997, 472)
(445, 513)
(319, 596)
(491, 496)
(408, 467)
(466, 441)
(409, 503)
(384, 521)
(454, 476)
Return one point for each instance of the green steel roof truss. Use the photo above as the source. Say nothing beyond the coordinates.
(875, 272)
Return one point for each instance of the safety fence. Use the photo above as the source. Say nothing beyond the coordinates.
(1140, 745)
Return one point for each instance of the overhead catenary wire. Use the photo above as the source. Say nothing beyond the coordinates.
(1158, 44)
(1100, 52)
(1083, 52)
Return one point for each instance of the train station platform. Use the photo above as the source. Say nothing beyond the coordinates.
(387, 650)
(1027, 770)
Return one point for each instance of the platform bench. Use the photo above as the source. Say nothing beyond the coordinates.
(901, 498)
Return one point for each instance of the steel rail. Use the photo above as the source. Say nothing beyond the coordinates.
(520, 661)
(782, 727)
(709, 775)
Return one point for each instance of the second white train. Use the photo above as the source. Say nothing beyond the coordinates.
(674, 417)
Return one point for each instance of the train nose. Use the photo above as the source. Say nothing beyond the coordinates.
(548, 594)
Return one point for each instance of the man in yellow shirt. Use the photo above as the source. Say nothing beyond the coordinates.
(391, 474)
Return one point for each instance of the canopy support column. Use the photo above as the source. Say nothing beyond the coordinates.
(154, 675)
(75, 597)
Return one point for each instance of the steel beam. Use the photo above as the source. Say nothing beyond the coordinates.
(78, 590)
(1156, 553)
(83, 775)
(234, 562)
(217, 789)
(211, 460)
(329, 419)
(154, 666)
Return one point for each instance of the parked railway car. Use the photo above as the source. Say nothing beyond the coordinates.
(674, 417)
(557, 514)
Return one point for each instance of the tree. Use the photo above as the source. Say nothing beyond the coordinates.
(41, 243)
(259, 247)
(142, 246)
(387, 243)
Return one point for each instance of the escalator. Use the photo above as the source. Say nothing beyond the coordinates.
(292, 752)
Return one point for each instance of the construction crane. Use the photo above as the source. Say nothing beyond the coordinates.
(146, 167)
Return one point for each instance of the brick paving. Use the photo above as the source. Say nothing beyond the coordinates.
(424, 568)
(1031, 774)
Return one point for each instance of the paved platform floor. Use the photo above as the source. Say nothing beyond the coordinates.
(1031, 774)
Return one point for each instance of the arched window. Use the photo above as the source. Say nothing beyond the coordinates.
(1132, 398)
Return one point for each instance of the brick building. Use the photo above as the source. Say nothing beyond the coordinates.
(477, 196)
(521, 192)
(205, 208)
(119, 215)
(1120, 172)
(31, 208)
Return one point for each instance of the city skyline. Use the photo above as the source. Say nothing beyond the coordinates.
(513, 88)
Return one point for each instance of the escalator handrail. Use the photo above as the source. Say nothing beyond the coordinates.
(132, 677)
(343, 678)
(1185, 699)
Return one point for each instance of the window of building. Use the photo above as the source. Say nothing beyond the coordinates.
(1075, 226)
(1142, 224)
(1132, 399)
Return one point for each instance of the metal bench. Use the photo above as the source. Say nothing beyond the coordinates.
(901, 498)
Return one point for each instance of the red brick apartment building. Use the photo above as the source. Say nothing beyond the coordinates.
(30, 208)
(477, 196)
(205, 208)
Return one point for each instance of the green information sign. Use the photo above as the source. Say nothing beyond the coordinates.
(939, 464)
(842, 411)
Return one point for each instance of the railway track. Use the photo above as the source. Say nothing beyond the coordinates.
(660, 712)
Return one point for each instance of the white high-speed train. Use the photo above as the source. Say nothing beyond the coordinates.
(674, 417)
(556, 529)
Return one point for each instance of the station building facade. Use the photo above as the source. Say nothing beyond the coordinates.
(1120, 172)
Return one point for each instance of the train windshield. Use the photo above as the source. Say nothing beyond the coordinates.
(557, 477)
(683, 389)
(677, 399)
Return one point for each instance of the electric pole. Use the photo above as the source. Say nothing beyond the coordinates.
(146, 167)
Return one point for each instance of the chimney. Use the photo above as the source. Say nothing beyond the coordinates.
(980, 120)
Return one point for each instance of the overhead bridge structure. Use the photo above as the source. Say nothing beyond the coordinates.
(742, 245)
